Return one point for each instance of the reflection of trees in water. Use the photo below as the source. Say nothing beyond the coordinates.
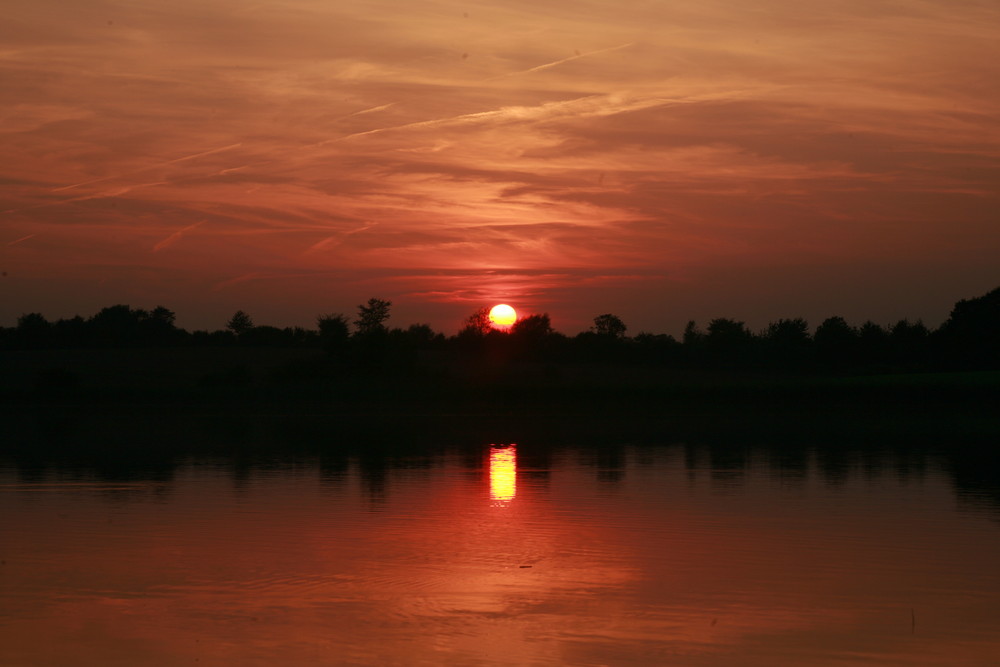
(241, 472)
(789, 464)
(975, 474)
(728, 466)
(373, 470)
(333, 469)
(125, 445)
(79, 446)
(610, 463)
(973, 468)
(835, 464)
(534, 466)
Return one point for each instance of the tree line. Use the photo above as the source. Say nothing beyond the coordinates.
(968, 340)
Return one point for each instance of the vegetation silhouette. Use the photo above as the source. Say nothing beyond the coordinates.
(125, 349)
(239, 323)
(126, 392)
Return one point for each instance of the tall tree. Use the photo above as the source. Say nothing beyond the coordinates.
(609, 325)
(372, 317)
(533, 327)
(333, 333)
(836, 343)
(478, 322)
(239, 323)
(116, 326)
(971, 335)
(693, 336)
(33, 331)
(787, 343)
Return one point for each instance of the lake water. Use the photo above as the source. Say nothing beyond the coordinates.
(517, 555)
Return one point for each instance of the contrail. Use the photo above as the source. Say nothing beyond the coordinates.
(538, 68)
(97, 195)
(382, 107)
(21, 240)
(154, 166)
(471, 116)
(502, 112)
(336, 240)
(175, 237)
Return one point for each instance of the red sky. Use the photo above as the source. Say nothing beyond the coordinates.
(663, 161)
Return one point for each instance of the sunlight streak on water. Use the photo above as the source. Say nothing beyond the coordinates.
(503, 473)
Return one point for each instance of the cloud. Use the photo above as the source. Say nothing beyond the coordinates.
(176, 236)
(706, 135)
(332, 241)
(194, 156)
(21, 240)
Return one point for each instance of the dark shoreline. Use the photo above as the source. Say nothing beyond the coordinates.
(321, 418)
(175, 404)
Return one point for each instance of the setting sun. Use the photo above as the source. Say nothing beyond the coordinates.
(503, 315)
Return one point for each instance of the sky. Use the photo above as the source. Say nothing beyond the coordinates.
(662, 160)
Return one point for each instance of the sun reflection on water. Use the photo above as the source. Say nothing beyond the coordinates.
(503, 473)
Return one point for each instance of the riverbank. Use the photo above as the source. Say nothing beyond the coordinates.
(259, 400)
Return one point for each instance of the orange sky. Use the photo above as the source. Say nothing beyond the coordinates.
(664, 161)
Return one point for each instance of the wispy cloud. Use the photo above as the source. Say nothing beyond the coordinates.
(510, 138)
(186, 158)
(562, 61)
(332, 241)
(176, 236)
(21, 240)
(256, 275)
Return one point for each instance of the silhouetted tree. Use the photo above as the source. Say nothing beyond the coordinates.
(692, 334)
(405, 345)
(334, 334)
(694, 344)
(527, 338)
(728, 343)
(836, 343)
(302, 337)
(788, 332)
(370, 342)
(478, 323)
(239, 323)
(71, 333)
(420, 335)
(116, 326)
(33, 331)
(605, 341)
(723, 331)
(609, 325)
(971, 335)
(220, 338)
(788, 343)
(268, 336)
(661, 349)
(372, 317)
(909, 346)
(532, 327)
(873, 346)
(162, 314)
(157, 327)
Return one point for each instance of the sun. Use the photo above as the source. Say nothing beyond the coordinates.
(502, 316)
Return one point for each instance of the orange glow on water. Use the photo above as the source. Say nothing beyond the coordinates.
(503, 473)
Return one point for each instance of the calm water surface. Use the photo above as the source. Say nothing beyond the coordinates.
(620, 555)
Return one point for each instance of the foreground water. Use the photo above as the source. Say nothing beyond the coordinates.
(505, 555)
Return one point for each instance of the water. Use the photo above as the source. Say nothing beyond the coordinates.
(520, 555)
